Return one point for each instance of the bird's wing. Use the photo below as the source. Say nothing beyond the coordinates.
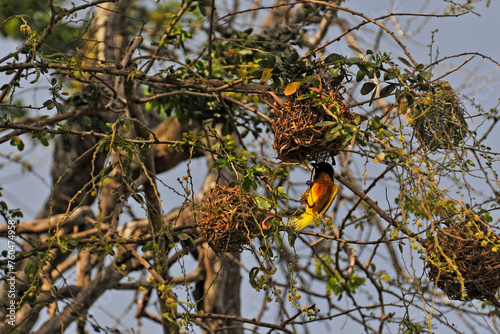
(320, 197)
(329, 202)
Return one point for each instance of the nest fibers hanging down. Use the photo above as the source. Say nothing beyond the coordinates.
(230, 219)
(464, 260)
(297, 137)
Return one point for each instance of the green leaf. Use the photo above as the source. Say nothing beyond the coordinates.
(256, 99)
(61, 108)
(373, 97)
(63, 246)
(182, 236)
(355, 49)
(325, 123)
(186, 241)
(16, 141)
(148, 247)
(263, 203)
(404, 61)
(259, 168)
(37, 76)
(368, 87)
(390, 75)
(252, 276)
(293, 57)
(358, 119)
(268, 250)
(387, 90)
(282, 194)
(176, 328)
(332, 135)
(30, 267)
(280, 172)
(86, 121)
(367, 72)
(360, 75)
(49, 104)
(336, 129)
(74, 241)
(425, 75)
(256, 73)
(267, 63)
(202, 8)
(355, 60)
(385, 278)
(292, 236)
(246, 153)
(220, 163)
(332, 58)
(44, 141)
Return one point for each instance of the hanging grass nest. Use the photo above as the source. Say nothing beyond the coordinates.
(464, 260)
(438, 118)
(297, 137)
(230, 219)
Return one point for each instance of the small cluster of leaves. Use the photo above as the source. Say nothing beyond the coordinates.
(37, 15)
(411, 326)
(378, 66)
(335, 69)
(261, 276)
(238, 51)
(334, 280)
(89, 96)
(67, 243)
(42, 137)
(13, 112)
(251, 176)
(194, 108)
(412, 203)
(6, 212)
(348, 131)
(291, 72)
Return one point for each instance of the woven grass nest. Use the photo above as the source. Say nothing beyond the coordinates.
(474, 248)
(230, 219)
(438, 117)
(296, 136)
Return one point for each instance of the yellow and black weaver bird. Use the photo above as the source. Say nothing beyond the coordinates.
(318, 197)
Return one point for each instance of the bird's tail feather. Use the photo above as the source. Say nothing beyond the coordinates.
(302, 221)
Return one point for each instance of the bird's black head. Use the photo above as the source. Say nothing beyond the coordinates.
(323, 167)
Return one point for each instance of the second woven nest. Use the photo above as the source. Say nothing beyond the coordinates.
(230, 219)
(438, 115)
(297, 138)
(464, 260)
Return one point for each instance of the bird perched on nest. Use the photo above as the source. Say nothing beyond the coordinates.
(318, 197)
